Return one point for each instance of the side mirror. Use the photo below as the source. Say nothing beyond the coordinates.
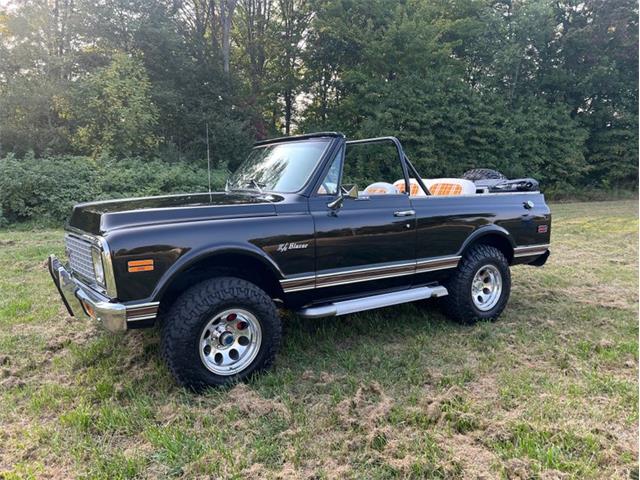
(350, 191)
(346, 191)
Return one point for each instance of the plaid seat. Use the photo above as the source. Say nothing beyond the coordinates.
(438, 187)
(415, 188)
(444, 189)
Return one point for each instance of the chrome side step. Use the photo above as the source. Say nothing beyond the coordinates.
(375, 301)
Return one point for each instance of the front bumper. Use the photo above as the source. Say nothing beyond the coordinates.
(83, 301)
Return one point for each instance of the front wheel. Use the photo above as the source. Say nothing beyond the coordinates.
(219, 332)
(480, 287)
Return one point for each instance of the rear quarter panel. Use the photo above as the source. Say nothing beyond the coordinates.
(445, 222)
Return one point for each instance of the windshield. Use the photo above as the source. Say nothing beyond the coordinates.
(282, 167)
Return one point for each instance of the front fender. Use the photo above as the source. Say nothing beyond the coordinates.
(174, 247)
(196, 256)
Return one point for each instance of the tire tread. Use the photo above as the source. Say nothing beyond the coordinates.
(458, 304)
(184, 318)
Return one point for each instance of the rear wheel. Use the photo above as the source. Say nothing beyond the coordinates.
(480, 287)
(219, 332)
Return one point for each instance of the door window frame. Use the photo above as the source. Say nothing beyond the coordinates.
(342, 151)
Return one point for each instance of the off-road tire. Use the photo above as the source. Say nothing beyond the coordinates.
(483, 174)
(458, 305)
(185, 321)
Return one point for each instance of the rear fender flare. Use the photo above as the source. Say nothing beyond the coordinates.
(489, 231)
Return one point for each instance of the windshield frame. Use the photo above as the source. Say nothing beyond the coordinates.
(333, 139)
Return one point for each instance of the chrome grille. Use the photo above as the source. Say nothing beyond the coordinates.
(79, 253)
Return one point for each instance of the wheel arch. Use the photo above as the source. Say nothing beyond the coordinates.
(233, 261)
(493, 235)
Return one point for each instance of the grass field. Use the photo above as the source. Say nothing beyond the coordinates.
(549, 391)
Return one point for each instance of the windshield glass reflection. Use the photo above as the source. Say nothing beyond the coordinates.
(282, 168)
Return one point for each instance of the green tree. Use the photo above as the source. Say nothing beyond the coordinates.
(36, 64)
(294, 17)
(545, 88)
(113, 110)
(255, 40)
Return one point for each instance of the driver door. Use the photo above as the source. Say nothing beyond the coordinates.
(366, 243)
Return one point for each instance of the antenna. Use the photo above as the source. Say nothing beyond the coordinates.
(208, 160)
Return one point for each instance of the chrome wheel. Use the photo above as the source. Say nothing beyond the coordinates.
(230, 341)
(486, 287)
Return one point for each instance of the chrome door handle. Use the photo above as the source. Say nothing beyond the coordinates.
(404, 213)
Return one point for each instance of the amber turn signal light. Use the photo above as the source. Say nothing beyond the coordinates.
(140, 265)
(89, 309)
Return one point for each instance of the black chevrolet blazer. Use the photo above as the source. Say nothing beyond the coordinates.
(312, 223)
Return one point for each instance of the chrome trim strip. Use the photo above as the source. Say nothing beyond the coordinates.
(366, 274)
(151, 316)
(296, 284)
(530, 250)
(364, 279)
(107, 265)
(532, 253)
(296, 279)
(136, 306)
(142, 311)
(439, 259)
(367, 269)
(432, 265)
(535, 245)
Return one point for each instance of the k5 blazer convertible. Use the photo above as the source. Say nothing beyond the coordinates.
(294, 230)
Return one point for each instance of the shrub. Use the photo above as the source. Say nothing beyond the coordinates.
(45, 189)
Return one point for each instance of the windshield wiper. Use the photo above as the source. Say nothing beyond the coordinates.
(251, 184)
(254, 184)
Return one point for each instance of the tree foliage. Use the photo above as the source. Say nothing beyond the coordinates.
(42, 189)
(113, 111)
(541, 88)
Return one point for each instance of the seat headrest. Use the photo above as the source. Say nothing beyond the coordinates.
(381, 188)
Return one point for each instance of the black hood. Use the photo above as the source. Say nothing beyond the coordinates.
(100, 217)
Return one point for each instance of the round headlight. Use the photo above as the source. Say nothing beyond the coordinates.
(98, 268)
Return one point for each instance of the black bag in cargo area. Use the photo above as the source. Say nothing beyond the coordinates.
(503, 185)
